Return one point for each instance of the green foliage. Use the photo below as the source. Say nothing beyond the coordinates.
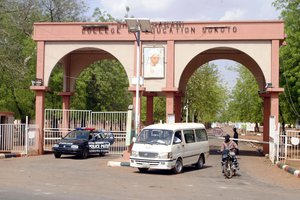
(102, 16)
(245, 105)
(102, 87)
(18, 50)
(205, 95)
(290, 61)
(53, 100)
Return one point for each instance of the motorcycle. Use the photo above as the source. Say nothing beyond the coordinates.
(228, 165)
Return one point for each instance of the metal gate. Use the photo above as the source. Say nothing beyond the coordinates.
(13, 138)
(289, 145)
(59, 122)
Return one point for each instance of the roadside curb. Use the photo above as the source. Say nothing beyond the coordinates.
(11, 155)
(288, 169)
(118, 164)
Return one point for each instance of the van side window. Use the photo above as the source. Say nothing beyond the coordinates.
(201, 135)
(189, 136)
(177, 135)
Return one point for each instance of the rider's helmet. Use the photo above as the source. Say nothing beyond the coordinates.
(227, 138)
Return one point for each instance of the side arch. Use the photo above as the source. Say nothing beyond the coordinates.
(222, 53)
(252, 54)
(79, 55)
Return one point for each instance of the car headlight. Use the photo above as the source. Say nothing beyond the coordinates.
(74, 146)
(165, 155)
(134, 153)
(55, 145)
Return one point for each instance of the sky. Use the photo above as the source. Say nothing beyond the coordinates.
(192, 10)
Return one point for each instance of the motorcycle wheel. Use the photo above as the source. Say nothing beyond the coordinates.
(228, 171)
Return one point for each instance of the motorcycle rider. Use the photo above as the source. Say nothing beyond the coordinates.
(231, 146)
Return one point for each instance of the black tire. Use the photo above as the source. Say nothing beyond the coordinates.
(200, 162)
(143, 170)
(84, 154)
(101, 154)
(178, 167)
(57, 155)
(228, 171)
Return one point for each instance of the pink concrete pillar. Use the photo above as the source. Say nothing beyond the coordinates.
(66, 97)
(66, 100)
(40, 59)
(177, 108)
(170, 65)
(169, 104)
(40, 97)
(275, 64)
(39, 116)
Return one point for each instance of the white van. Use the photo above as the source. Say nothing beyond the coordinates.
(170, 146)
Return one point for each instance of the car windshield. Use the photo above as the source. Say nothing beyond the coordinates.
(78, 134)
(155, 136)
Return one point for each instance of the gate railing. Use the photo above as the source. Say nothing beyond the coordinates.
(59, 122)
(114, 122)
(289, 145)
(13, 137)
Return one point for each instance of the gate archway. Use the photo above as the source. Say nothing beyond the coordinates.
(255, 44)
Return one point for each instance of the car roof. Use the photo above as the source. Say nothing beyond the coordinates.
(175, 126)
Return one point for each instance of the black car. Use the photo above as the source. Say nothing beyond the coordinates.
(84, 141)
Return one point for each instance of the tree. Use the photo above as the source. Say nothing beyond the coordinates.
(245, 105)
(63, 11)
(290, 61)
(204, 94)
(17, 56)
(102, 87)
(18, 50)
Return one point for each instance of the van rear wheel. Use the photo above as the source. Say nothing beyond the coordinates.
(178, 167)
(200, 162)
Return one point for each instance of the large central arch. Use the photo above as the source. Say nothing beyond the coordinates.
(185, 47)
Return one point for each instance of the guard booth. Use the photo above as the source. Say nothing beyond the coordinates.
(5, 118)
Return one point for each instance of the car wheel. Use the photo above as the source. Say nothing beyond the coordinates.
(57, 155)
(200, 162)
(84, 154)
(143, 170)
(178, 167)
(101, 154)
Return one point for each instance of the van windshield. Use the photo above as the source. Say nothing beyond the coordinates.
(155, 136)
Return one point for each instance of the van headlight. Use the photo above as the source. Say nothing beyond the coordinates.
(74, 146)
(165, 155)
(134, 153)
(55, 145)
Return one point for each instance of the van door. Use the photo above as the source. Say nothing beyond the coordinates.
(178, 148)
(191, 151)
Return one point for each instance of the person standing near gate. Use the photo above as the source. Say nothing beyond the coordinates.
(236, 136)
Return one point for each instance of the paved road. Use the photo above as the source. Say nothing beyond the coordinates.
(43, 177)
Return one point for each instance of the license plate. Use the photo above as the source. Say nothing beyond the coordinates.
(146, 165)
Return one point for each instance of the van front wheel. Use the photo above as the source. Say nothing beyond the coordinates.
(143, 170)
(178, 167)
